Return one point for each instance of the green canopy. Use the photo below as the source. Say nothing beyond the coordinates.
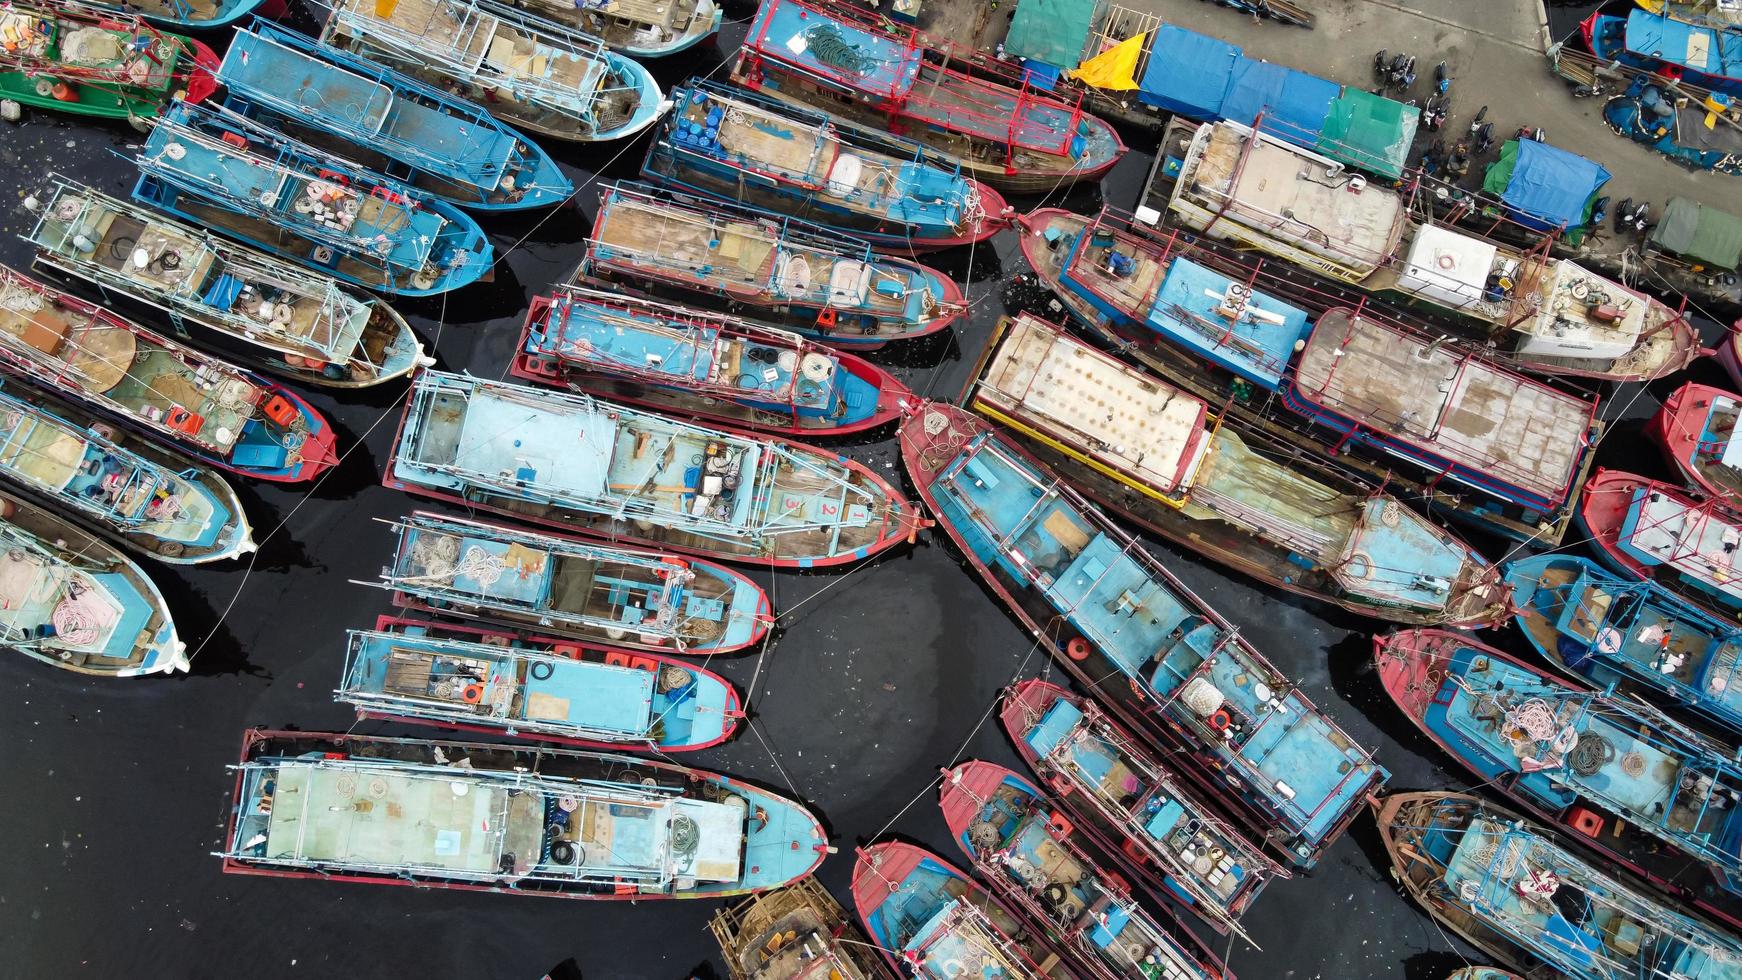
(1369, 131)
(1703, 234)
(1053, 31)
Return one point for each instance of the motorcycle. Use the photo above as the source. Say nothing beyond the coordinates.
(1484, 137)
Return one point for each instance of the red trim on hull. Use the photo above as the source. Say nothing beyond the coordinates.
(1677, 427)
(202, 80)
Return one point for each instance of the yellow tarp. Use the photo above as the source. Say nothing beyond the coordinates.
(1114, 68)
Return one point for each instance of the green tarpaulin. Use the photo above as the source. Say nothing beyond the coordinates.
(1707, 235)
(1369, 131)
(1053, 31)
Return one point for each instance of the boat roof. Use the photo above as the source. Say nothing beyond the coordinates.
(1702, 47)
(1043, 379)
(472, 824)
(1293, 194)
(1449, 401)
(387, 113)
(1699, 540)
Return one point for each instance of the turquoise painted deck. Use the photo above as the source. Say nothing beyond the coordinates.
(1011, 519)
(1170, 821)
(1637, 774)
(421, 677)
(1411, 564)
(919, 919)
(886, 68)
(590, 332)
(1618, 931)
(418, 126)
(1618, 630)
(1256, 348)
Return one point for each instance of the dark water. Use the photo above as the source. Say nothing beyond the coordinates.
(114, 793)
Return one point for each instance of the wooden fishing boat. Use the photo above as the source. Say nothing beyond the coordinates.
(1546, 315)
(618, 597)
(1625, 780)
(1695, 427)
(68, 57)
(236, 421)
(795, 933)
(874, 72)
(195, 14)
(527, 68)
(224, 171)
(724, 369)
(821, 284)
(575, 462)
(1520, 444)
(155, 501)
(738, 146)
(1618, 631)
(1034, 857)
(1139, 639)
(1116, 789)
(1162, 458)
(931, 921)
(637, 28)
(1655, 531)
(254, 308)
(72, 600)
(1729, 354)
(392, 123)
(497, 683)
(566, 823)
(1530, 901)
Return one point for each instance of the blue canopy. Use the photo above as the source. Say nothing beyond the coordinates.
(1187, 72)
(1294, 103)
(1547, 184)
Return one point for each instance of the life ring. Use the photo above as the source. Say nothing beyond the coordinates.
(472, 694)
(1446, 260)
(1221, 720)
(1077, 649)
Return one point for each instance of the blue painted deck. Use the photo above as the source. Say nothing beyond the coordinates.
(613, 338)
(383, 111)
(881, 66)
(1166, 820)
(537, 693)
(1637, 775)
(1618, 630)
(1596, 928)
(1288, 757)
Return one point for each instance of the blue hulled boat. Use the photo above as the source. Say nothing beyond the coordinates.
(508, 819)
(735, 145)
(576, 462)
(824, 285)
(193, 14)
(258, 309)
(1117, 788)
(223, 171)
(172, 509)
(1018, 841)
(933, 922)
(1646, 113)
(1658, 798)
(517, 61)
(545, 695)
(1701, 54)
(723, 368)
(415, 133)
(1131, 632)
(72, 600)
(614, 596)
(1533, 902)
(1628, 633)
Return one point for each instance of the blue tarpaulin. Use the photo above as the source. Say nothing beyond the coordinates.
(1187, 72)
(1547, 184)
(1294, 103)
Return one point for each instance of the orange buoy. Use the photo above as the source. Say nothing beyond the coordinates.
(472, 694)
(1077, 649)
(65, 93)
(1221, 720)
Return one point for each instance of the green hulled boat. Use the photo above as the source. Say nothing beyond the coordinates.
(67, 57)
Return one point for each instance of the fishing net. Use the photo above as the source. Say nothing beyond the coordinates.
(826, 43)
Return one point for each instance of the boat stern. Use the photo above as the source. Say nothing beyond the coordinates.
(202, 77)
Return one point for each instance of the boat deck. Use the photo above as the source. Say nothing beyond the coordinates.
(1151, 434)
(1360, 229)
(748, 257)
(1700, 542)
(1447, 401)
(84, 614)
(1717, 456)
